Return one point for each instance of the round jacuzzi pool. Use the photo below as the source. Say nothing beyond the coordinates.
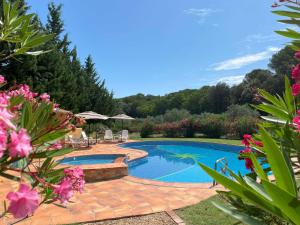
(90, 159)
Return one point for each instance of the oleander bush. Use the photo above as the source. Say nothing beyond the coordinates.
(212, 125)
(31, 128)
(236, 128)
(147, 129)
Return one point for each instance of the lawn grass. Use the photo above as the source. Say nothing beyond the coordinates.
(205, 213)
(212, 140)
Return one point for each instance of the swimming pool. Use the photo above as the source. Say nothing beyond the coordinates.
(89, 159)
(170, 160)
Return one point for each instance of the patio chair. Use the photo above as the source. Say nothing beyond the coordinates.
(124, 135)
(108, 136)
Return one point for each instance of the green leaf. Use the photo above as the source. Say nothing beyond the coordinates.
(291, 21)
(52, 153)
(242, 190)
(288, 96)
(38, 40)
(257, 187)
(36, 53)
(287, 13)
(55, 173)
(274, 111)
(289, 34)
(9, 176)
(280, 167)
(257, 167)
(272, 99)
(288, 203)
(49, 137)
(293, 7)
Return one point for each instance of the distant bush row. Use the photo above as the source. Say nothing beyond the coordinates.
(237, 121)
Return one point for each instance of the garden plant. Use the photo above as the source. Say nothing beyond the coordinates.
(273, 154)
(31, 129)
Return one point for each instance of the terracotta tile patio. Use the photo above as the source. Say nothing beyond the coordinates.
(127, 196)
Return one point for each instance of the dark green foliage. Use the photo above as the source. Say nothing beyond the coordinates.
(147, 129)
(237, 111)
(212, 125)
(283, 61)
(75, 86)
(176, 115)
(237, 127)
(218, 98)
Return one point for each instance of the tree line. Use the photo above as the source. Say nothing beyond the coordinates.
(74, 85)
(77, 86)
(216, 98)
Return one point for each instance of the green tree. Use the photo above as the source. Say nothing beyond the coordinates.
(283, 61)
(219, 98)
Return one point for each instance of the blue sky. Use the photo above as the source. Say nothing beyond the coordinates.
(161, 46)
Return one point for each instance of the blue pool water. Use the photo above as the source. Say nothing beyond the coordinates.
(89, 159)
(164, 164)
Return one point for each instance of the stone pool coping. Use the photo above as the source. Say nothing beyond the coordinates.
(106, 171)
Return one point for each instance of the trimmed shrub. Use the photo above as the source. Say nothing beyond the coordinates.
(237, 111)
(190, 127)
(240, 126)
(212, 125)
(147, 129)
(170, 129)
(176, 115)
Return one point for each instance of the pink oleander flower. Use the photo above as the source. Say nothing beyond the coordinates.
(296, 121)
(17, 107)
(25, 91)
(56, 146)
(63, 191)
(5, 118)
(249, 164)
(297, 55)
(20, 144)
(55, 106)
(45, 97)
(295, 89)
(4, 99)
(2, 79)
(248, 161)
(76, 177)
(24, 202)
(296, 71)
(258, 143)
(3, 140)
(247, 139)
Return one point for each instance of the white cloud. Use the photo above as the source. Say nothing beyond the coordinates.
(261, 38)
(239, 62)
(231, 80)
(202, 14)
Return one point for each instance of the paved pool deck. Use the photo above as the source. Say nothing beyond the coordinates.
(127, 196)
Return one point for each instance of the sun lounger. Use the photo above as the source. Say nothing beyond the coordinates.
(108, 136)
(123, 136)
(87, 139)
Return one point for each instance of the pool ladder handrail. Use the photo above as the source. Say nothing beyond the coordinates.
(223, 170)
